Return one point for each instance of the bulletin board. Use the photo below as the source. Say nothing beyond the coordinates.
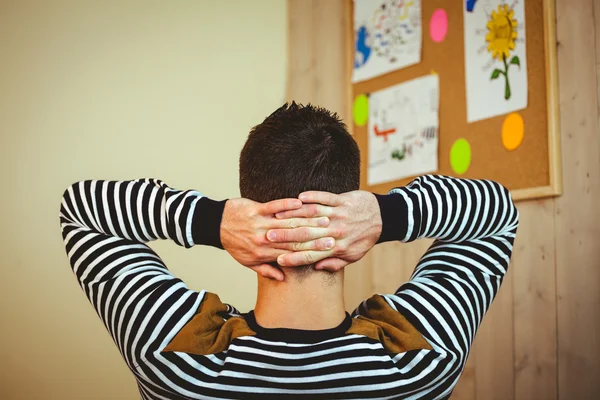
(530, 171)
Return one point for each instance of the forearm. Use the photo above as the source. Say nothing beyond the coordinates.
(447, 209)
(142, 211)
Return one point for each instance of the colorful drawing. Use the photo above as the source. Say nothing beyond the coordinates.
(502, 33)
(470, 5)
(494, 49)
(403, 130)
(363, 48)
(387, 36)
(384, 133)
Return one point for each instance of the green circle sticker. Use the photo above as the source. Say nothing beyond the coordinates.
(460, 156)
(360, 110)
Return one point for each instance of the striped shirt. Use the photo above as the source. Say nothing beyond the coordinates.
(184, 344)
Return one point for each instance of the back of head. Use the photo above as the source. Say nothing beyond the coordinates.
(295, 149)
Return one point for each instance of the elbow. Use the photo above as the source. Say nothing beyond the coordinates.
(512, 209)
(67, 194)
(68, 199)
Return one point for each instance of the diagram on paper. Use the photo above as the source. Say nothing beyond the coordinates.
(403, 130)
(495, 58)
(387, 36)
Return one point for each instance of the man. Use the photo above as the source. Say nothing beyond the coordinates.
(301, 222)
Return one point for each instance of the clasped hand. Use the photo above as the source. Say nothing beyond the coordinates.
(325, 229)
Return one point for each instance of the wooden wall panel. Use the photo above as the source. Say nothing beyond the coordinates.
(316, 72)
(394, 262)
(577, 212)
(541, 338)
(494, 372)
(533, 270)
(301, 72)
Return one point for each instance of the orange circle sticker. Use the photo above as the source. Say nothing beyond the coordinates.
(513, 130)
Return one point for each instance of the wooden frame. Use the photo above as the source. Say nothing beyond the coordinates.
(552, 103)
(554, 188)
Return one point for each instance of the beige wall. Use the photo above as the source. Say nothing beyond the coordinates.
(116, 90)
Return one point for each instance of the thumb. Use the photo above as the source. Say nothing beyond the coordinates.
(269, 271)
(331, 264)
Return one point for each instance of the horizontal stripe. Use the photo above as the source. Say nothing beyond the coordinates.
(105, 226)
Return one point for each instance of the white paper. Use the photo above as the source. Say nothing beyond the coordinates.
(403, 130)
(387, 36)
(486, 96)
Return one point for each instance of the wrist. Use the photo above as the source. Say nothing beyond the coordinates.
(394, 216)
(206, 222)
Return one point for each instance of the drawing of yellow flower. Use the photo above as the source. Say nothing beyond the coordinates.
(502, 32)
(501, 37)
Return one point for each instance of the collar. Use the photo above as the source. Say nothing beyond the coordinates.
(297, 335)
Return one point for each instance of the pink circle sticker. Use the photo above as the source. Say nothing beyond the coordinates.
(438, 25)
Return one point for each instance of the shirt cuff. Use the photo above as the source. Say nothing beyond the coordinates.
(394, 215)
(206, 224)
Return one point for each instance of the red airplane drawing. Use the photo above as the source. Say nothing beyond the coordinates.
(384, 133)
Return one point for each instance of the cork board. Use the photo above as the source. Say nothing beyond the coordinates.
(530, 171)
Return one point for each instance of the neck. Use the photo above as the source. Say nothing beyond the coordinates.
(313, 302)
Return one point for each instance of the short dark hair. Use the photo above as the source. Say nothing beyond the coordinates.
(295, 149)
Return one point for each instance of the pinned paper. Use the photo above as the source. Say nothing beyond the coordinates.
(360, 110)
(513, 130)
(387, 36)
(403, 130)
(438, 25)
(495, 58)
(470, 5)
(460, 156)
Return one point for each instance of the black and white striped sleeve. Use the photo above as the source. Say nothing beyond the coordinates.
(474, 223)
(105, 225)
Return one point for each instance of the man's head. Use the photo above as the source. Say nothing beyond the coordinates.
(295, 149)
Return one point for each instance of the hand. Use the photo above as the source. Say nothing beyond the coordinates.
(355, 224)
(244, 227)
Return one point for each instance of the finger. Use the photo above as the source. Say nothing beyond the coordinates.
(302, 235)
(291, 223)
(275, 206)
(302, 258)
(324, 198)
(269, 271)
(331, 264)
(306, 211)
(319, 244)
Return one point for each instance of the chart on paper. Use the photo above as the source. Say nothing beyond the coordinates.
(403, 130)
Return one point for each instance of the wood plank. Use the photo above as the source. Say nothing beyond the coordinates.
(534, 296)
(330, 59)
(301, 71)
(494, 372)
(394, 263)
(577, 214)
(596, 12)
(358, 284)
(552, 98)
